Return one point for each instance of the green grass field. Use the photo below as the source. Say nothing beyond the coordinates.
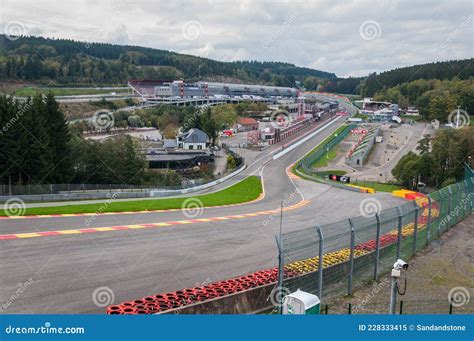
(323, 162)
(378, 186)
(246, 190)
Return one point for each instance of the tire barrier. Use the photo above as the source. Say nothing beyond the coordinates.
(162, 302)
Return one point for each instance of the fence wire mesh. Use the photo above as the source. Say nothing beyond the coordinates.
(360, 249)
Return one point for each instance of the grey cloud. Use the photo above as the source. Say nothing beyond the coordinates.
(323, 34)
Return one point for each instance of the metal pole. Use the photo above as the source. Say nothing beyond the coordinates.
(401, 307)
(399, 237)
(415, 231)
(429, 221)
(459, 206)
(393, 295)
(280, 273)
(320, 265)
(377, 247)
(351, 259)
(449, 207)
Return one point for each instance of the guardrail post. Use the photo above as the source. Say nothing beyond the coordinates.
(428, 226)
(377, 247)
(399, 237)
(415, 227)
(280, 273)
(351, 259)
(450, 194)
(320, 264)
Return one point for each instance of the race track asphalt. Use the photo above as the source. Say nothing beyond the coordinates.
(63, 271)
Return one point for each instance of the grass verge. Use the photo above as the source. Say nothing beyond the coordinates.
(246, 190)
(378, 186)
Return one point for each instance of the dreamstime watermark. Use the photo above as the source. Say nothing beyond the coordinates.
(103, 119)
(289, 21)
(459, 118)
(14, 30)
(455, 211)
(19, 113)
(196, 114)
(192, 30)
(102, 208)
(192, 208)
(281, 119)
(46, 329)
(370, 30)
(14, 207)
(378, 287)
(465, 24)
(20, 290)
(97, 36)
(103, 296)
(369, 207)
(203, 284)
(275, 213)
(277, 295)
(459, 296)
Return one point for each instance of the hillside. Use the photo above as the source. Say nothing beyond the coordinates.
(61, 61)
(376, 82)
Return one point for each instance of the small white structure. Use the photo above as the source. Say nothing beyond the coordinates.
(412, 111)
(301, 303)
(192, 139)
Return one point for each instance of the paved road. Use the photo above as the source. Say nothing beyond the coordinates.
(62, 272)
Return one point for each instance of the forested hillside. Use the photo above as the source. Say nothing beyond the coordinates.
(72, 62)
(373, 83)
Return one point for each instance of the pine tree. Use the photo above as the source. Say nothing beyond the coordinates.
(59, 138)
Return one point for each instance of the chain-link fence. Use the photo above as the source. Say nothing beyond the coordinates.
(425, 306)
(360, 249)
(321, 151)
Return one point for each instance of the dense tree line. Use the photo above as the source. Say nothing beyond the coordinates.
(37, 147)
(440, 159)
(376, 83)
(73, 62)
(435, 99)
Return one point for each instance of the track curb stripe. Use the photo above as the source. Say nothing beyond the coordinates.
(141, 226)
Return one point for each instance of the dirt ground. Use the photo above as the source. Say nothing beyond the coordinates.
(444, 269)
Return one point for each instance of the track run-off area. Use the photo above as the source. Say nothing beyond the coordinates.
(64, 259)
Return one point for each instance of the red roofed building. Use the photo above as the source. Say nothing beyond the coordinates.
(247, 124)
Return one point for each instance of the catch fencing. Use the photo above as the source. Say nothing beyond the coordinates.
(360, 249)
(323, 149)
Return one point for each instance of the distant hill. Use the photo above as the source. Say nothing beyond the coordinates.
(369, 86)
(71, 62)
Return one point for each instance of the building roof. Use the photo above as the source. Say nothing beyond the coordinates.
(175, 157)
(193, 136)
(247, 121)
(170, 143)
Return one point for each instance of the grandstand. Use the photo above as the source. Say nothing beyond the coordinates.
(157, 89)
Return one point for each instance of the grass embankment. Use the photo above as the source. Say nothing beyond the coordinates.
(246, 190)
(378, 186)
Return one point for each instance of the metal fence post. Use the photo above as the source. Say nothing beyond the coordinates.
(450, 194)
(351, 259)
(429, 221)
(399, 237)
(415, 227)
(280, 273)
(471, 194)
(320, 265)
(458, 206)
(377, 247)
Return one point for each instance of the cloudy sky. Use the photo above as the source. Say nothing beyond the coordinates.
(347, 37)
